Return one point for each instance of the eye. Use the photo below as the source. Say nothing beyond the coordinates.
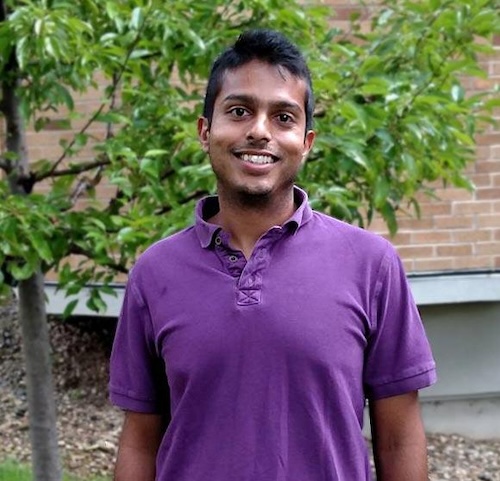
(238, 111)
(285, 118)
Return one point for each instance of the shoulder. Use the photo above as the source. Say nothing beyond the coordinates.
(349, 237)
(168, 251)
(180, 241)
(364, 254)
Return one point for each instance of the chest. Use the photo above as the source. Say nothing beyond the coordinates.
(284, 314)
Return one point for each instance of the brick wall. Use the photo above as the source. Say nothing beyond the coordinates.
(44, 144)
(458, 230)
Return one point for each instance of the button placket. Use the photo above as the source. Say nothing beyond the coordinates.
(230, 260)
(250, 283)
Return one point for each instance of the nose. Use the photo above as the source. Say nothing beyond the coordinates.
(259, 129)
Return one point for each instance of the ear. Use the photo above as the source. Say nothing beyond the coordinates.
(203, 133)
(308, 144)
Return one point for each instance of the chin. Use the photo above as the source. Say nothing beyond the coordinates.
(253, 197)
(257, 191)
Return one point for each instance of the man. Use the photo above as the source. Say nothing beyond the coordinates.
(248, 343)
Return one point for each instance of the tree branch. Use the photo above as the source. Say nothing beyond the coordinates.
(15, 135)
(77, 250)
(75, 170)
(4, 165)
(113, 204)
(52, 172)
(85, 184)
(195, 195)
(424, 87)
(114, 86)
(112, 104)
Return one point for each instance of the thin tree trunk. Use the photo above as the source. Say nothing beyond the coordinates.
(32, 315)
(41, 403)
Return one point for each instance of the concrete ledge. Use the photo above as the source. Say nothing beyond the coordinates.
(455, 288)
(475, 418)
(57, 301)
(427, 289)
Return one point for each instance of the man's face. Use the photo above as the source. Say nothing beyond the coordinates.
(256, 140)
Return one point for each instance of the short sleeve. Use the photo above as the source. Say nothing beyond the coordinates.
(137, 375)
(399, 357)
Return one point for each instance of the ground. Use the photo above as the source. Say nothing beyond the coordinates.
(89, 426)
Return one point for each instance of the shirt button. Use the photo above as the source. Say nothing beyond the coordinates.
(233, 258)
(218, 241)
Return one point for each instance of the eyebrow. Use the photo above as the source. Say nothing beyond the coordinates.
(250, 99)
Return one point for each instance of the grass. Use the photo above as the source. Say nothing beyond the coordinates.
(13, 471)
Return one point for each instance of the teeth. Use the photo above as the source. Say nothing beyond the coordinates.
(257, 159)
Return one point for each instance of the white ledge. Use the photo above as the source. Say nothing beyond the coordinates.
(427, 289)
(455, 288)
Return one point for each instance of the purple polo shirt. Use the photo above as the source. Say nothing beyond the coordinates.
(268, 361)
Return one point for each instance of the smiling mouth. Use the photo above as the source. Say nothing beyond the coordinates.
(257, 159)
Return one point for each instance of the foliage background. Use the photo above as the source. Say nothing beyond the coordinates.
(392, 115)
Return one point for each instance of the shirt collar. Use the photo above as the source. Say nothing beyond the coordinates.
(209, 206)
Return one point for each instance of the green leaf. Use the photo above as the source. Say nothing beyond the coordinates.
(81, 139)
(41, 166)
(196, 39)
(113, 118)
(70, 307)
(389, 216)
(41, 246)
(140, 53)
(355, 113)
(98, 222)
(137, 18)
(95, 302)
(375, 86)
(409, 163)
(156, 153)
(21, 272)
(384, 17)
(457, 93)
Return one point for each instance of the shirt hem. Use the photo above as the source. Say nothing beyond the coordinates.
(401, 386)
(128, 403)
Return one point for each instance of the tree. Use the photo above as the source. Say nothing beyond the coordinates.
(392, 115)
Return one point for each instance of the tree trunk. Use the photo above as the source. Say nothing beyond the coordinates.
(41, 403)
(32, 315)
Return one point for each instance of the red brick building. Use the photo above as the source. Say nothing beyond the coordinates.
(460, 230)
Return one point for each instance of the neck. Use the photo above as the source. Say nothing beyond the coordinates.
(247, 222)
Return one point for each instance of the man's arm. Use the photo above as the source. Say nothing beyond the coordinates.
(399, 443)
(139, 441)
